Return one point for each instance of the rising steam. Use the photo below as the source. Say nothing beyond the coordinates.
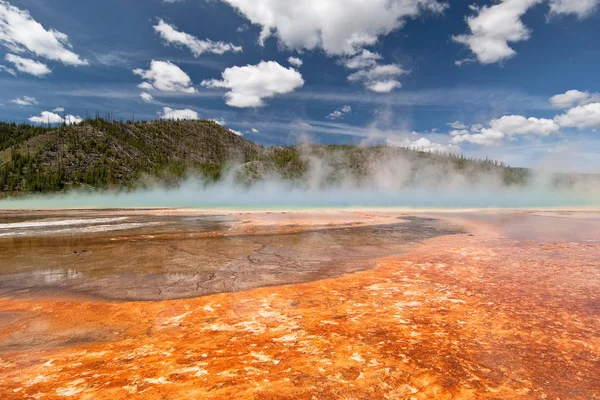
(334, 179)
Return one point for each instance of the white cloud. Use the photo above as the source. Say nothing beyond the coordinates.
(506, 127)
(7, 70)
(147, 97)
(48, 117)
(460, 129)
(573, 97)
(380, 78)
(580, 8)
(146, 86)
(248, 86)
(424, 144)
(254, 130)
(72, 119)
(185, 114)
(20, 33)
(170, 34)
(384, 86)
(487, 137)
(376, 78)
(457, 125)
(494, 27)
(220, 121)
(295, 61)
(512, 125)
(25, 101)
(165, 76)
(581, 117)
(223, 123)
(58, 109)
(340, 113)
(461, 132)
(337, 27)
(28, 66)
(362, 60)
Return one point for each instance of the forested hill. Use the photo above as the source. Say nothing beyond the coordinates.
(99, 154)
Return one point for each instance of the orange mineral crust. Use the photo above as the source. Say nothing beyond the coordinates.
(479, 313)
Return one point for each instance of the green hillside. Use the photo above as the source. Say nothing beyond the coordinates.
(99, 154)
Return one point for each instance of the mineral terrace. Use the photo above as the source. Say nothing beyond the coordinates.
(182, 304)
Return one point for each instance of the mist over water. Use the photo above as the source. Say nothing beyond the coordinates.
(272, 194)
(269, 196)
(331, 181)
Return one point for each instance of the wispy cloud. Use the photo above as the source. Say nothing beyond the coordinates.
(450, 98)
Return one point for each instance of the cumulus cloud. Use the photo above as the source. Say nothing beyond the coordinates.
(581, 117)
(332, 25)
(383, 86)
(339, 29)
(165, 76)
(28, 66)
(380, 78)
(147, 97)
(248, 86)
(363, 60)
(494, 27)
(171, 35)
(457, 125)
(506, 127)
(579, 8)
(375, 77)
(340, 113)
(58, 109)
(572, 98)
(72, 119)
(463, 132)
(171, 114)
(295, 61)
(20, 33)
(48, 117)
(25, 101)
(518, 125)
(426, 145)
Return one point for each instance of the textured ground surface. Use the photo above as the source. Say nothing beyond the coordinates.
(157, 256)
(508, 309)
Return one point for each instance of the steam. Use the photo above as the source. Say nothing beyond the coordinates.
(334, 179)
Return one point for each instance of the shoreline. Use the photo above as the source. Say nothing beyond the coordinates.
(199, 210)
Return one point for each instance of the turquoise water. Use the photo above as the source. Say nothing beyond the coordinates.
(278, 196)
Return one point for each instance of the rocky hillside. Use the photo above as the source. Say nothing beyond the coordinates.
(98, 154)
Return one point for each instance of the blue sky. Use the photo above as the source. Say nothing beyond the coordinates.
(477, 77)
